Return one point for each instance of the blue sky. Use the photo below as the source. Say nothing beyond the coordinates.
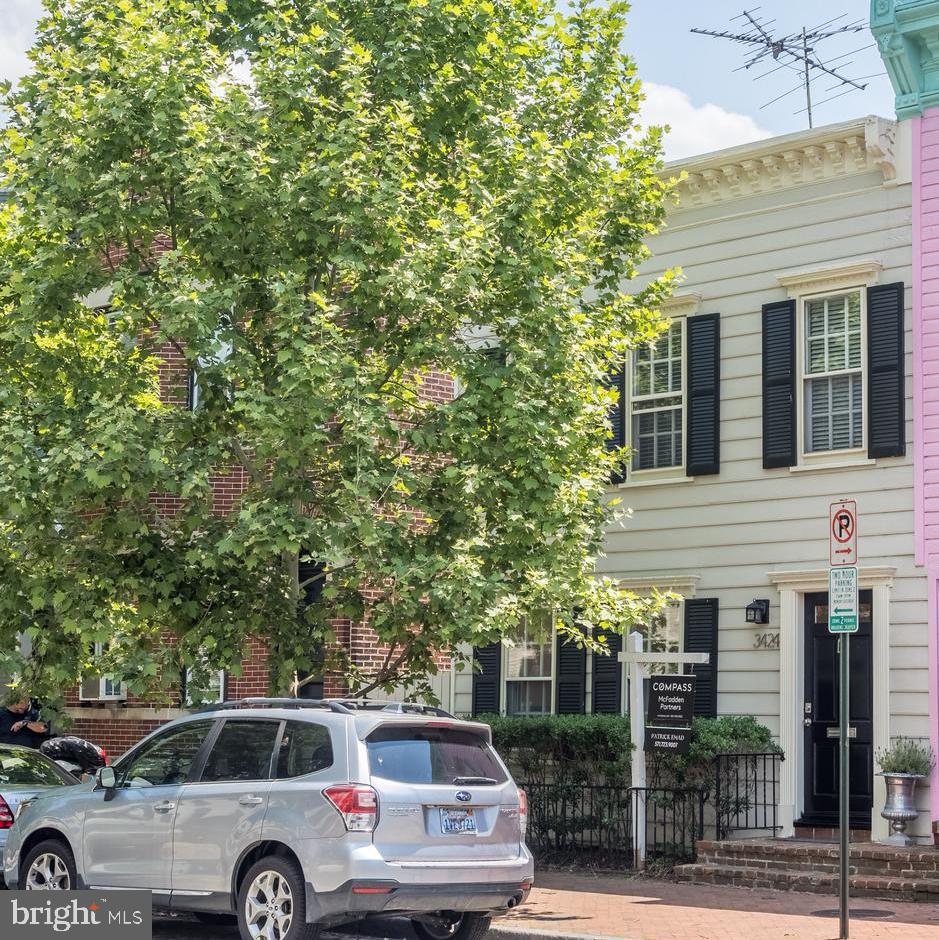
(691, 82)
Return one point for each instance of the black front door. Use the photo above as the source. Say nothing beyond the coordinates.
(821, 716)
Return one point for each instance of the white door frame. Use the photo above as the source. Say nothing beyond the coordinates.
(792, 587)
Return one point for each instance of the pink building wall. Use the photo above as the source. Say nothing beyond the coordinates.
(926, 391)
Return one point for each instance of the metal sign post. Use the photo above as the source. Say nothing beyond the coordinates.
(843, 620)
(844, 644)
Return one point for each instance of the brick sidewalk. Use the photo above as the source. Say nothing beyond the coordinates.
(640, 909)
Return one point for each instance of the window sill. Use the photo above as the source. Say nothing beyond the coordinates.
(834, 465)
(653, 481)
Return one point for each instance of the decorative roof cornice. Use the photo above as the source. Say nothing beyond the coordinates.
(779, 163)
(907, 34)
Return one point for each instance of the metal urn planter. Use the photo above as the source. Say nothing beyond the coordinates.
(900, 807)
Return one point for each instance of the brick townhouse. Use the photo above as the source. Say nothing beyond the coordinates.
(103, 711)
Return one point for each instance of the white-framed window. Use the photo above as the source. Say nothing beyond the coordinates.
(832, 334)
(655, 412)
(219, 356)
(101, 688)
(529, 668)
(204, 687)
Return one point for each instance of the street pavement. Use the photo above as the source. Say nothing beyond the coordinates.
(582, 906)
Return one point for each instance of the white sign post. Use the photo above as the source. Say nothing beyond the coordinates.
(635, 668)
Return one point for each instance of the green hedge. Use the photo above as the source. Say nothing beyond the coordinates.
(572, 749)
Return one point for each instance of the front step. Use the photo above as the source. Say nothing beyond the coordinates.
(827, 834)
(878, 871)
(862, 886)
(792, 855)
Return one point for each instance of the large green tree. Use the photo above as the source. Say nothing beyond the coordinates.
(316, 205)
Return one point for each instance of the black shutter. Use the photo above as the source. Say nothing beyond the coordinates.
(886, 372)
(703, 433)
(701, 616)
(487, 683)
(571, 677)
(779, 384)
(607, 681)
(616, 378)
(312, 590)
(496, 353)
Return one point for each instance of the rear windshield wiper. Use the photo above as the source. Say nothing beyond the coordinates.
(477, 781)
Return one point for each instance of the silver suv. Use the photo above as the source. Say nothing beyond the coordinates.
(293, 815)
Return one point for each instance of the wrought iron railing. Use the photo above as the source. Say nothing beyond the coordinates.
(596, 825)
(746, 793)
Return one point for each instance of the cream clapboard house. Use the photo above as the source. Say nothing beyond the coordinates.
(797, 260)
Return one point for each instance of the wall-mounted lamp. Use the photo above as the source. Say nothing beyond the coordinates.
(758, 612)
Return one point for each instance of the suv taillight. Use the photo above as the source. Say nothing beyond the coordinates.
(357, 804)
(523, 811)
(6, 816)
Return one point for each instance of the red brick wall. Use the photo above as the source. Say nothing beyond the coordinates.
(115, 735)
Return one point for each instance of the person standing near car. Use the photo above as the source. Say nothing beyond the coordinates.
(20, 724)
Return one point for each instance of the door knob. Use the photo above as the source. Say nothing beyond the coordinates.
(251, 801)
(806, 722)
(164, 807)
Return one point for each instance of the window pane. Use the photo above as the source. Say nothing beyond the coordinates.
(304, 749)
(528, 698)
(167, 759)
(242, 751)
(675, 344)
(660, 378)
(20, 767)
(834, 413)
(533, 652)
(657, 439)
(836, 352)
(816, 354)
(430, 755)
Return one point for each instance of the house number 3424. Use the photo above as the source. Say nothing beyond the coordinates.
(766, 641)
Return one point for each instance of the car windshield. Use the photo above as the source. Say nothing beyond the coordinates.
(433, 755)
(22, 767)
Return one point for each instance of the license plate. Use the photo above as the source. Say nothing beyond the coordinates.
(457, 821)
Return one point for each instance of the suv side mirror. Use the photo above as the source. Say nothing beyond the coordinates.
(106, 780)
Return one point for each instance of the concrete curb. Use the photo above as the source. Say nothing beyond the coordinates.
(505, 932)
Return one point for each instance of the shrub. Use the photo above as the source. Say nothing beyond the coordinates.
(572, 749)
(564, 749)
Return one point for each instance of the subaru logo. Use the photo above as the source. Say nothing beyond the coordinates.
(463, 796)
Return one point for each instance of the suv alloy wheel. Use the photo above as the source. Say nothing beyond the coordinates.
(49, 866)
(272, 902)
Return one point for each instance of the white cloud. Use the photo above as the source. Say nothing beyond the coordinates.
(695, 129)
(17, 32)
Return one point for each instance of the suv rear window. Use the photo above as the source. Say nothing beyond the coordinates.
(433, 755)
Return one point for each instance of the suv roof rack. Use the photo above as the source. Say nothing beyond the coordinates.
(398, 708)
(342, 706)
(257, 702)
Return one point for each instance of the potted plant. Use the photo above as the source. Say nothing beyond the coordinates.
(903, 765)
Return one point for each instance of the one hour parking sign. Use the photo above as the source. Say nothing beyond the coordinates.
(842, 600)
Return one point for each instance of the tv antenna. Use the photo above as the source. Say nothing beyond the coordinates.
(795, 51)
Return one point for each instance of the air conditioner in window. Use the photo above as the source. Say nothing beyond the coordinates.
(101, 689)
